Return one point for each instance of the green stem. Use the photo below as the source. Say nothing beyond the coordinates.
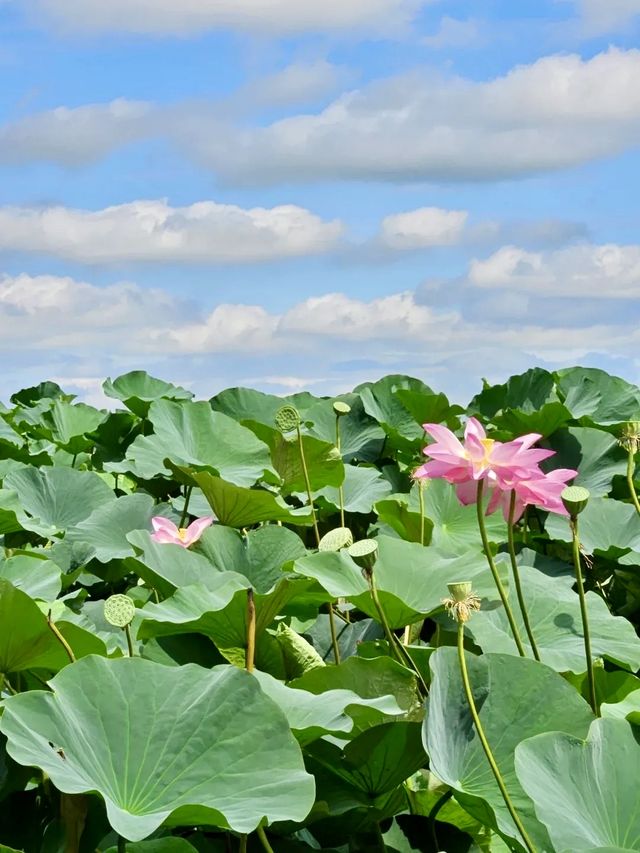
(122, 844)
(494, 570)
(262, 835)
(307, 483)
(187, 498)
(573, 522)
(516, 576)
(525, 526)
(396, 648)
(242, 847)
(379, 837)
(341, 487)
(421, 499)
(65, 645)
(127, 631)
(485, 743)
(631, 467)
(334, 634)
(251, 632)
(433, 814)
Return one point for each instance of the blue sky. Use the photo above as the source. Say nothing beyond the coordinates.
(295, 194)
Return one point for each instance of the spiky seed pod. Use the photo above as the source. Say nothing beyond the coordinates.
(463, 601)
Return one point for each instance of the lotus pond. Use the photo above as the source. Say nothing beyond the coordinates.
(377, 622)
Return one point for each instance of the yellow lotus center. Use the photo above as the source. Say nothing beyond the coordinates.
(487, 444)
(182, 532)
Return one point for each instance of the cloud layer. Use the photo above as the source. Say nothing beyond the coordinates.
(155, 231)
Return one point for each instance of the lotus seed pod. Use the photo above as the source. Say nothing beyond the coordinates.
(631, 436)
(119, 610)
(459, 591)
(575, 499)
(364, 553)
(287, 418)
(341, 408)
(335, 540)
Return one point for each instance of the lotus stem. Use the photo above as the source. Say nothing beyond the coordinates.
(485, 743)
(433, 814)
(127, 631)
(573, 522)
(421, 499)
(122, 844)
(340, 487)
(65, 645)
(251, 631)
(185, 509)
(631, 467)
(242, 847)
(307, 483)
(494, 570)
(262, 835)
(516, 576)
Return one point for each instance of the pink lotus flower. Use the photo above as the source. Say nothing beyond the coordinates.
(479, 457)
(165, 531)
(505, 466)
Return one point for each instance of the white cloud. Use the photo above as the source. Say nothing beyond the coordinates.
(60, 327)
(296, 83)
(608, 271)
(597, 17)
(155, 231)
(558, 112)
(182, 17)
(75, 136)
(453, 32)
(419, 229)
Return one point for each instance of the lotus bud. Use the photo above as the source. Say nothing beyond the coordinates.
(630, 437)
(119, 610)
(575, 499)
(287, 418)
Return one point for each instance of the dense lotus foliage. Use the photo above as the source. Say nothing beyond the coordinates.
(264, 623)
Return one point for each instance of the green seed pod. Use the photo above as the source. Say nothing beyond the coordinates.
(364, 553)
(341, 408)
(335, 540)
(287, 418)
(119, 610)
(459, 591)
(575, 499)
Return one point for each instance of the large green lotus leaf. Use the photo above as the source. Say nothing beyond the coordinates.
(312, 715)
(377, 761)
(585, 791)
(397, 512)
(69, 423)
(626, 709)
(166, 566)
(239, 507)
(105, 530)
(10, 511)
(26, 641)
(323, 461)
(381, 402)
(360, 436)
(605, 525)
(245, 404)
(57, 498)
(137, 390)
(170, 844)
(221, 615)
(260, 555)
(430, 408)
(34, 574)
(151, 739)
(594, 454)
(594, 394)
(411, 580)
(192, 434)
(9, 435)
(527, 393)
(361, 489)
(369, 678)
(455, 527)
(554, 614)
(516, 698)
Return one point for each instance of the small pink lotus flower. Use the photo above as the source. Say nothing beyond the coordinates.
(165, 531)
(543, 491)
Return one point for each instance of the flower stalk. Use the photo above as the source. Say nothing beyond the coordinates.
(251, 632)
(631, 441)
(516, 575)
(494, 569)
(65, 645)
